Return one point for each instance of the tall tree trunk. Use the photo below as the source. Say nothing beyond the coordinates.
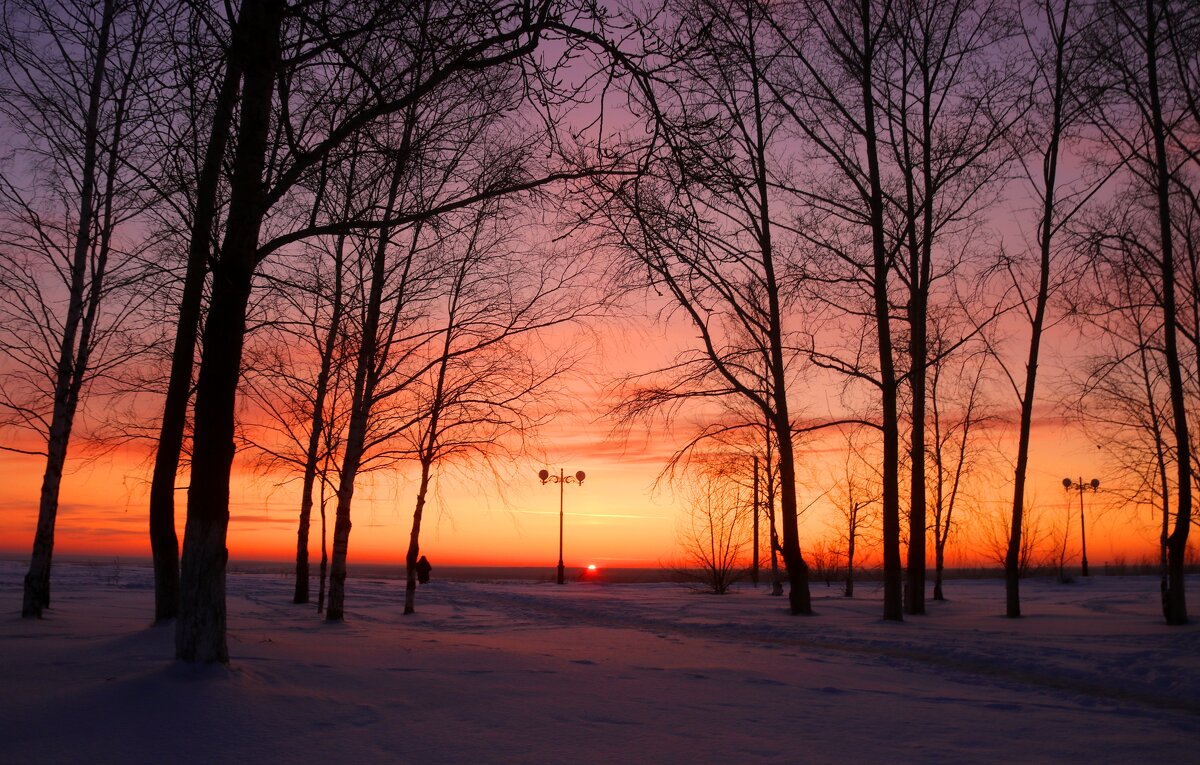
(430, 445)
(200, 629)
(941, 531)
(755, 565)
(914, 600)
(939, 553)
(365, 381)
(892, 574)
(799, 596)
(324, 557)
(351, 461)
(945, 501)
(414, 542)
(893, 605)
(164, 544)
(1175, 602)
(1012, 559)
(1160, 463)
(312, 454)
(769, 508)
(940, 523)
(919, 267)
(71, 365)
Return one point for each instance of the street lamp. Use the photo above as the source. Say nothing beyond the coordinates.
(561, 479)
(1081, 487)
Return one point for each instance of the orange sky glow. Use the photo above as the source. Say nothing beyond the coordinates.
(616, 518)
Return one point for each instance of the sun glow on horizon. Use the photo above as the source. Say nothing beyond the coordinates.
(615, 519)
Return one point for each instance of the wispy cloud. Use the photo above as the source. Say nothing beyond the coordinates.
(594, 515)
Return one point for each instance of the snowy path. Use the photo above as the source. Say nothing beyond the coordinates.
(535, 673)
(1120, 667)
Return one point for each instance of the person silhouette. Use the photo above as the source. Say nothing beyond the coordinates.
(423, 569)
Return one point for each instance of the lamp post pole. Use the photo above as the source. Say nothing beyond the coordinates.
(562, 485)
(562, 480)
(1081, 487)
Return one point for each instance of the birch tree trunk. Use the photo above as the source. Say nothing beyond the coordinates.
(1174, 600)
(366, 377)
(164, 543)
(889, 389)
(200, 629)
(75, 343)
(317, 426)
(1012, 559)
(414, 542)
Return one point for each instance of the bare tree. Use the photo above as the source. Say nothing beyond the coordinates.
(387, 332)
(302, 404)
(1059, 538)
(1150, 102)
(714, 529)
(1123, 397)
(958, 412)
(200, 629)
(67, 270)
(1054, 32)
(826, 556)
(344, 73)
(700, 228)
(1167, 14)
(994, 535)
(856, 497)
(902, 109)
(322, 423)
(833, 62)
(476, 395)
(406, 272)
(949, 101)
(201, 215)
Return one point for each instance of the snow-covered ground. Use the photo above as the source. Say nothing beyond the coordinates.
(525, 672)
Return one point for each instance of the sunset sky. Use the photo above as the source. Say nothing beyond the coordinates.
(616, 518)
(619, 516)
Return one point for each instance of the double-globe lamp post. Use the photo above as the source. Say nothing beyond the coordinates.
(1081, 487)
(561, 479)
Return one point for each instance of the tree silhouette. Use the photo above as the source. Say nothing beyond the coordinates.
(68, 279)
(855, 496)
(1054, 37)
(480, 392)
(1149, 112)
(201, 187)
(347, 71)
(700, 228)
(959, 411)
(949, 99)
(714, 528)
(833, 61)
